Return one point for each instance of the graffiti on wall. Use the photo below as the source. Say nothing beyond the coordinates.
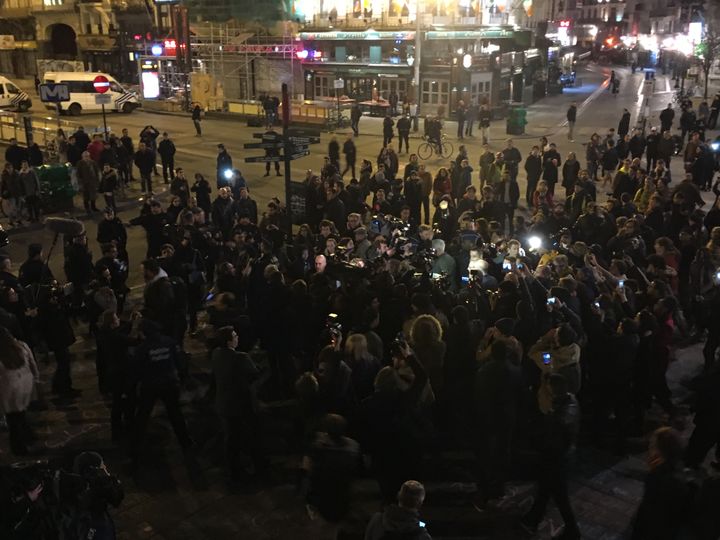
(47, 64)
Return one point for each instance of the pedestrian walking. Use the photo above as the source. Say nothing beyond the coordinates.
(667, 116)
(350, 155)
(403, 127)
(624, 124)
(197, 118)
(355, 115)
(334, 153)
(12, 190)
(166, 149)
(388, 124)
(272, 153)
(571, 117)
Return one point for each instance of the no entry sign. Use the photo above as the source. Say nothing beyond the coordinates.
(101, 84)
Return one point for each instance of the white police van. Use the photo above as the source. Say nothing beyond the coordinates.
(82, 93)
(11, 97)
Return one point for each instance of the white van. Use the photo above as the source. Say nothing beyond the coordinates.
(82, 93)
(11, 97)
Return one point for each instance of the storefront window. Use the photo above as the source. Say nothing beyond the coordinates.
(388, 85)
(480, 92)
(324, 86)
(435, 92)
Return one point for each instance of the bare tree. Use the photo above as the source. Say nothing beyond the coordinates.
(708, 51)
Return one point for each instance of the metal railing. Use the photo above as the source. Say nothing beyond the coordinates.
(43, 128)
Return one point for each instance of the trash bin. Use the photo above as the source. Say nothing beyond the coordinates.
(516, 120)
(56, 189)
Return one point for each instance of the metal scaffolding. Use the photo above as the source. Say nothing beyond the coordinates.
(226, 52)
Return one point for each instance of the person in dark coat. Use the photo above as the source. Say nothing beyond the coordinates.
(666, 503)
(570, 172)
(145, 162)
(666, 118)
(201, 188)
(350, 155)
(610, 159)
(334, 153)
(624, 124)
(533, 168)
(331, 463)
(166, 149)
(498, 387)
(153, 220)
(556, 443)
(235, 376)
(388, 124)
(15, 154)
(223, 163)
(335, 209)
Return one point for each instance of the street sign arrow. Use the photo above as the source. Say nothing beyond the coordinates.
(294, 148)
(301, 153)
(263, 159)
(304, 140)
(272, 136)
(265, 145)
(300, 132)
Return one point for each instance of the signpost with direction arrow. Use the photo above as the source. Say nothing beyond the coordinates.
(294, 144)
(102, 85)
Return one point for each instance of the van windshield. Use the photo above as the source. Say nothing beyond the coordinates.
(115, 87)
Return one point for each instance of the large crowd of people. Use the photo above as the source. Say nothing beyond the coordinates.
(411, 311)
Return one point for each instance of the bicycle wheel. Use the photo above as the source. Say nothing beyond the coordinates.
(446, 149)
(425, 150)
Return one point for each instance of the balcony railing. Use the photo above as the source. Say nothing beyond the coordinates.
(384, 20)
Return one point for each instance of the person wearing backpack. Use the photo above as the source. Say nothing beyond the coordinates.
(401, 521)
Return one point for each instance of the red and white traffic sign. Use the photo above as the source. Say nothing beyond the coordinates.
(101, 84)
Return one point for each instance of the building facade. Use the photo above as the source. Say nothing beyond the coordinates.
(451, 50)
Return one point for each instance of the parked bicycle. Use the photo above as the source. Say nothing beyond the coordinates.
(427, 148)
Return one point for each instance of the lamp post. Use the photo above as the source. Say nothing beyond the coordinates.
(418, 55)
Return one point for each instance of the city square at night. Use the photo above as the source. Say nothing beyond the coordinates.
(360, 269)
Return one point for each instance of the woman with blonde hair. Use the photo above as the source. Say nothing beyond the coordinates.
(363, 364)
(18, 373)
(429, 348)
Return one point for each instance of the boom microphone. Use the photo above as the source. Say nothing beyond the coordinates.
(68, 227)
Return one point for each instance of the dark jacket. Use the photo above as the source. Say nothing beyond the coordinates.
(398, 521)
(158, 360)
(664, 506)
(145, 161)
(166, 149)
(624, 124)
(533, 167)
(234, 373)
(571, 113)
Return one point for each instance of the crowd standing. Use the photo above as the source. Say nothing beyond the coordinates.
(412, 310)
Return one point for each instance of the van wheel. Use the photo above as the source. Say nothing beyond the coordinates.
(127, 108)
(75, 109)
